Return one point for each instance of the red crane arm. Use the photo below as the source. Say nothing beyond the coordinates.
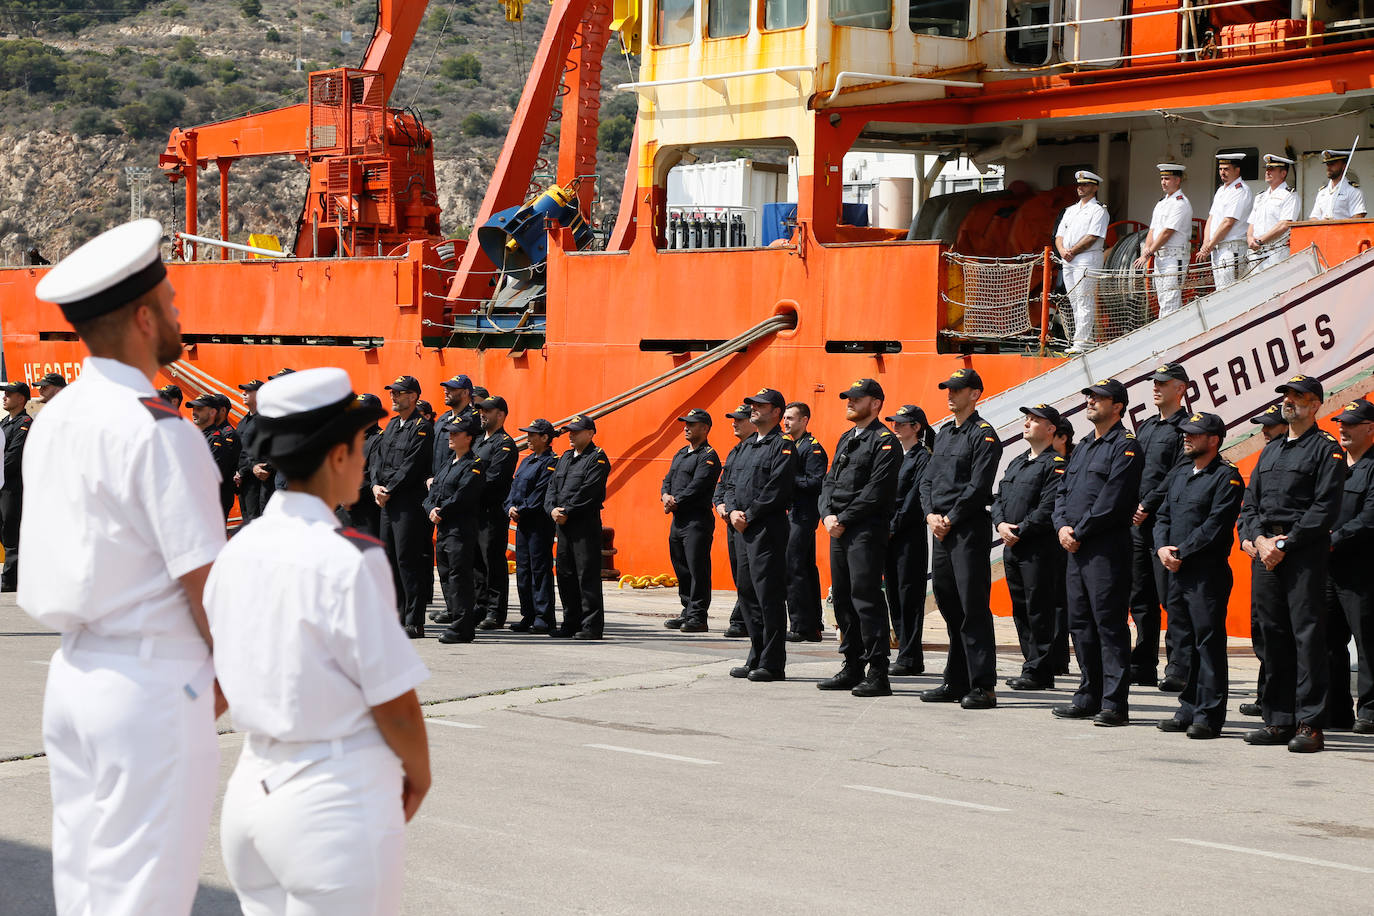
(397, 23)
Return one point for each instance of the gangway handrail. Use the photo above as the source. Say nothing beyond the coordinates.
(206, 380)
(233, 246)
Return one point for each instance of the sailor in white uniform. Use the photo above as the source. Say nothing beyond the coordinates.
(1338, 198)
(1167, 241)
(1223, 238)
(1275, 209)
(1078, 240)
(320, 676)
(123, 493)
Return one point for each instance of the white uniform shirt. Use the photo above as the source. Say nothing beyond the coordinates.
(1273, 206)
(307, 638)
(1341, 202)
(1173, 212)
(121, 498)
(1232, 201)
(1083, 219)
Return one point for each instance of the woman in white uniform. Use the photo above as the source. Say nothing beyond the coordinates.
(318, 673)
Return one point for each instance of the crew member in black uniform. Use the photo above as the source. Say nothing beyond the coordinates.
(1350, 588)
(1272, 426)
(15, 427)
(757, 500)
(1097, 496)
(803, 575)
(171, 394)
(208, 412)
(452, 504)
(1194, 530)
(1023, 516)
(1161, 444)
(1285, 526)
(1063, 445)
(908, 546)
(252, 494)
(491, 571)
(576, 493)
(955, 492)
(402, 464)
(857, 500)
(364, 514)
(534, 530)
(686, 496)
(741, 428)
(458, 399)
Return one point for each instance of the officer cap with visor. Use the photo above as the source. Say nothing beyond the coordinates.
(581, 422)
(1109, 388)
(107, 273)
(909, 413)
(767, 396)
(695, 415)
(863, 388)
(1303, 384)
(309, 411)
(1044, 412)
(963, 378)
(495, 402)
(1272, 416)
(1206, 424)
(1357, 411)
(1170, 371)
(739, 413)
(542, 427)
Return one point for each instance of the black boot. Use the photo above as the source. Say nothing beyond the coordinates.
(875, 685)
(847, 678)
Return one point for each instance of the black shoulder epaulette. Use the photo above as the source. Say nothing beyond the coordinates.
(159, 408)
(359, 539)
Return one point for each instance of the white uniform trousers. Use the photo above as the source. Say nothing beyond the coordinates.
(1227, 260)
(328, 839)
(133, 760)
(1171, 265)
(1081, 286)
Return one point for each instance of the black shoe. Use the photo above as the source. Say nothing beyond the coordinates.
(734, 631)
(1203, 731)
(942, 694)
(1144, 677)
(1251, 709)
(542, 629)
(740, 671)
(1111, 718)
(1072, 711)
(813, 636)
(450, 636)
(875, 685)
(1271, 735)
(9, 588)
(561, 634)
(415, 632)
(1061, 670)
(586, 634)
(692, 626)
(1363, 727)
(846, 679)
(904, 670)
(673, 623)
(442, 618)
(793, 636)
(763, 674)
(1028, 683)
(489, 623)
(979, 698)
(1172, 725)
(521, 626)
(1172, 684)
(1308, 740)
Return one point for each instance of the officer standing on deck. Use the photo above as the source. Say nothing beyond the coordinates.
(686, 496)
(758, 498)
(1193, 532)
(1285, 527)
(955, 493)
(1338, 198)
(252, 494)
(1168, 239)
(224, 445)
(574, 499)
(1078, 241)
(1274, 210)
(1161, 445)
(499, 455)
(908, 546)
(1223, 237)
(453, 505)
(534, 530)
(1023, 513)
(14, 433)
(1350, 590)
(404, 459)
(857, 502)
(741, 428)
(803, 576)
(130, 705)
(1092, 514)
(1272, 426)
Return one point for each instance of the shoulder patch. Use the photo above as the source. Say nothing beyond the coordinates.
(1328, 435)
(1059, 459)
(989, 439)
(421, 432)
(888, 432)
(1234, 482)
(1130, 435)
(985, 425)
(159, 408)
(359, 539)
(1129, 454)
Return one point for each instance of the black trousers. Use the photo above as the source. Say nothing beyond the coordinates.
(1289, 604)
(11, 509)
(1098, 586)
(453, 552)
(1033, 579)
(1059, 653)
(904, 581)
(732, 547)
(803, 575)
(1150, 589)
(491, 571)
(1199, 592)
(579, 576)
(534, 535)
(408, 536)
(961, 578)
(762, 556)
(253, 495)
(1350, 614)
(857, 559)
(689, 548)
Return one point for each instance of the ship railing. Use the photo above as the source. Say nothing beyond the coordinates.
(989, 298)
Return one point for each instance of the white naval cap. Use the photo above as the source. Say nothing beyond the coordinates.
(312, 407)
(1334, 155)
(1083, 176)
(1273, 161)
(1170, 168)
(1230, 158)
(111, 270)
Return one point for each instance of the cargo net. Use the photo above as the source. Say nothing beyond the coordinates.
(988, 297)
(1130, 298)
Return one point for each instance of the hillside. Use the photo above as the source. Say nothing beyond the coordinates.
(89, 88)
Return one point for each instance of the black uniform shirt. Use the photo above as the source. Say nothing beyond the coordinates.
(499, 453)
(1199, 510)
(1161, 444)
(1295, 488)
(861, 485)
(16, 430)
(958, 482)
(247, 429)
(723, 487)
(456, 492)
(578, 484)
(691, 480)
(1026, 495)
(530, 484)
(812, 463)
(909, 515)
(761, 482)
(442, 423)
(1099, 491)
(404, 457)
(226, 449)
(1353, 530)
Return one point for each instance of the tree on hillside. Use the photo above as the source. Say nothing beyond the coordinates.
(466, 67)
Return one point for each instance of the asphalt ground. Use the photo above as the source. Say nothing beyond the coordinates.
(633, 775)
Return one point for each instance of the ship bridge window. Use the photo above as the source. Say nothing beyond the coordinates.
(784, 14)
(862, 14)
(1030, 48)
(727, 18)
(946, 18)
(674, 21)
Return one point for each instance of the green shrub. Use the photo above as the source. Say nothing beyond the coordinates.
(137, 120)
(251, 9)
(466, 67)
(481, 124)
(92, 121)
(614, 134)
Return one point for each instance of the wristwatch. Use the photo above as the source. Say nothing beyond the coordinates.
(1281, 543)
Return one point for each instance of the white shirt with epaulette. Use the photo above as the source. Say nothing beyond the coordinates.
(1342, 202)
(1174, 212)
(1232, 201)
(1082, 219)
(1272, 206)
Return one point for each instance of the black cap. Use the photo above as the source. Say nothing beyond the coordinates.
(1063, 428)
(466, 423)
(739, 413)
(479, 393)
(1272, 416)
(252, 385)
(23, 388)
(581, 422)
(1043, 411)
(493, 403)
(1358, 411)
(405, 383)
(541, 426)
(53, 378)
(424, 407)
(864, 388)
(695, 415)
(769, 396)
(963, 378)
(285, 370)
(1109, 388)
(1207, 424)
(458, 381)
(909, 413)
(367, 399)
(1303, 384)
(204, 400)
(1169, 371)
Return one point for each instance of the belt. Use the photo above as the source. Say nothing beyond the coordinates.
(145, 647)
(1172, 252)
(1274, 531)
(294, 757)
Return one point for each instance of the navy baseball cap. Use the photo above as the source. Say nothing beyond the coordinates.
(1207, 424)
(367, 399)
(458, 381)
(23, 388)
(1303, 384)
(285, 370)
(541, 426)
(493, 403)
(581, 422)
(1170, 371)
(770, 396)
(252, 385)
(908, 413)
(963, 378)
(467, 423)
(695, 415)
(1108, 388)
(864, 388)
(1357, 411)
(479, 393)
(739, 413)
(1272, 416)
(405, 383)
(204, 400)
(1044, 412)
(52, 378)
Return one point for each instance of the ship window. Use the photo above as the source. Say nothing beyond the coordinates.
(674, 21)
(727, 18)
(784, 14)
(1031, 47)
(862, 14)
(947, 18)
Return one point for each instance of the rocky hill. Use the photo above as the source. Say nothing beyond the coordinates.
(89, 88)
